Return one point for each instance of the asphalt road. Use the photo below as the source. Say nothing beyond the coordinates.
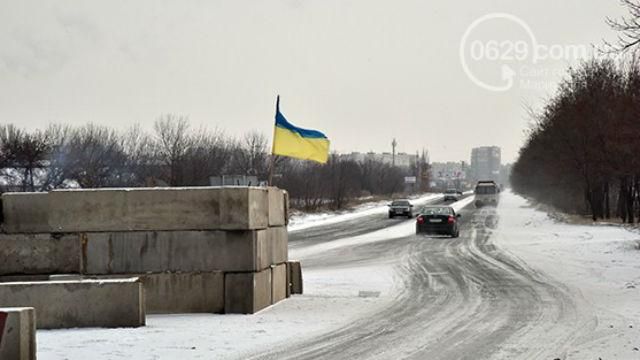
(459, 299)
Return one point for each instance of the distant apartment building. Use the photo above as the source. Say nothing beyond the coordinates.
(402, 160)
(485, 163)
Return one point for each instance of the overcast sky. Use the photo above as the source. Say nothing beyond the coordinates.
(362, 71)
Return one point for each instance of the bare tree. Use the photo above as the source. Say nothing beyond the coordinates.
(173, 142)
(96, 157)
(628, 27)
(250, 156)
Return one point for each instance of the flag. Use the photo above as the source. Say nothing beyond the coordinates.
(292, 141)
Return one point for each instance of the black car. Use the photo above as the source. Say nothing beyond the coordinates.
(400, 208)
(439, 220)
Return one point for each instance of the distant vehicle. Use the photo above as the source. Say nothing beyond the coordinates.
(486, 193)
(452, 194)
(440, 220)
(400, 208)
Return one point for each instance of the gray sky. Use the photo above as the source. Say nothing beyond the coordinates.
(362, 71)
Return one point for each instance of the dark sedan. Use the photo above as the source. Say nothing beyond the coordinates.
(438, 220)
(400, 208)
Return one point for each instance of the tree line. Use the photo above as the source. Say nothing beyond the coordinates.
(174, 153)
(581, 153)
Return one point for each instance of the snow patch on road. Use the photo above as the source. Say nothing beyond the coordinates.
(599, 264)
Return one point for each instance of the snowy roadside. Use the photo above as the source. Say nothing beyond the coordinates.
(332, 298)
(598, 264)
(305, 221)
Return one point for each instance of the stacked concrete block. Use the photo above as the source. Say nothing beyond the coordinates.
(84, 303)
(183, 251)
(17, 333)
(279, 283)
(42, 253)
(206, 249)
(25, 213)
(247, 293)
(159, 209)
(294, 270)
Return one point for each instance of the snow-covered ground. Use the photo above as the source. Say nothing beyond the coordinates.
(332, 298)
(599, 264)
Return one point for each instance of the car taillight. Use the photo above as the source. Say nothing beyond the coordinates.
(452, 219)
(420, 220)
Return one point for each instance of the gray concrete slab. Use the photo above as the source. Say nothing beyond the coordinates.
(86, 303)
(247, 293)
(295, 276)
(183, 251)
(39, 254)
(25, 212)
(183, 293)
(155, 209)
(278, 283)
(17, 333)
(277, 207)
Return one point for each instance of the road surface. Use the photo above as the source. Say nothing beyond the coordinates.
(458, 299)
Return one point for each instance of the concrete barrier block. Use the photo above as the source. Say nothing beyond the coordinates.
(278, 283)
(272, 247)
(17, 333)
(181, 293)
(39, 254)
(86, 303)
(277, 213)
(286, 207)
(156, 209)
(25, 212)
(176, 251)
(295, 276)
(247, 293)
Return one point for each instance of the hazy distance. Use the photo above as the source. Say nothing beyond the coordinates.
(361, 71)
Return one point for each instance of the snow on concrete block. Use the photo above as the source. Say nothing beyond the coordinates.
(295, 276)
(86, 303)
(25, 213)
(156, 209)
(278, 283)
(176, 251)
(17, 333)
(39, 254)
(247, 293)
(277, 207)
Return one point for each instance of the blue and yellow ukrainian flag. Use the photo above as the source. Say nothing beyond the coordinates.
(292, 141)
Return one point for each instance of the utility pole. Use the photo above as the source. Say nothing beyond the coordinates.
(394, 143)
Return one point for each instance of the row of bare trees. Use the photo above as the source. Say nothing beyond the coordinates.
(313, 186)
(582, 152)
(175, 154)
(93, 156)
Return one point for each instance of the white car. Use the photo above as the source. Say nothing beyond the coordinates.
(452, 194)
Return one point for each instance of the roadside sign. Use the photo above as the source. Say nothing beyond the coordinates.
(409, 179)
